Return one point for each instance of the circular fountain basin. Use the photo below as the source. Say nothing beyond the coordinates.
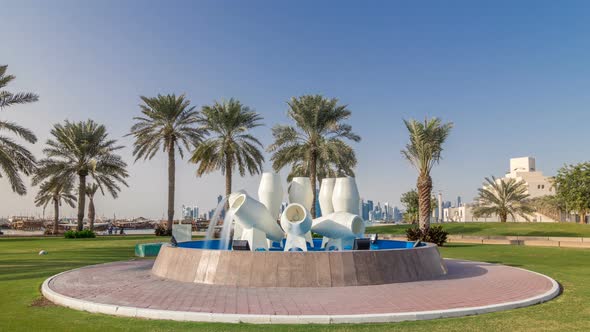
(388, 261)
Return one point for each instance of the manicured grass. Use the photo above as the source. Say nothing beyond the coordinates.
(22, 271)
(498, 228)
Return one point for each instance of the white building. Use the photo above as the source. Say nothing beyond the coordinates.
(523, 169)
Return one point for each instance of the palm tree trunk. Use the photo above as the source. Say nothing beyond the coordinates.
(582, 217)
(91, 213)
(55, 216)
(424, 194)
(503, 217)
(312, 177)
(171, 184)
(81, 201)
(228, 178)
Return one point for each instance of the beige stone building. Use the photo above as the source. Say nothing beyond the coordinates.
(523, 169)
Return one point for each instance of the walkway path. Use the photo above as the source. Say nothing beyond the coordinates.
(129, 289)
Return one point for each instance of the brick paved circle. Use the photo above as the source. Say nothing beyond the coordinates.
(129, 289)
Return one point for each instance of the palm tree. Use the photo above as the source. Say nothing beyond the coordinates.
(83, 149)
(15, 158)
(337, 165)
(504, 198)
(231, 144)
(56, 190)
(90, 192)
(423, 152)
(314, 146)
(168, 123)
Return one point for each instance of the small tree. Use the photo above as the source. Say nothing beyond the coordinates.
(424, 151)
(573, 188)
(56, 190)
(504, 198)
(410, 202)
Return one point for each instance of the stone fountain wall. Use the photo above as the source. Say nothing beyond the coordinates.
(299, 269)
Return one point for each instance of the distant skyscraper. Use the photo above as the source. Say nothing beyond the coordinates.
(458, 201)
(370, 204)
(397, 214)
(365, 211)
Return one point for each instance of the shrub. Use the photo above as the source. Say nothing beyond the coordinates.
(162, 230)
(84, 234)
(435, 234)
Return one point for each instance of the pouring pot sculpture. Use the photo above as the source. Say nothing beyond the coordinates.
(296, 223)
(339, 229)
(345, 197)
(325, 195)
(237, 226)
(270, 193)
(256, 221)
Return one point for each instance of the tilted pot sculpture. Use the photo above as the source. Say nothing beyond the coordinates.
(257, 223)
(270, 193)
(296, 223)
(339, 229)
(325, 195)
(345, 197)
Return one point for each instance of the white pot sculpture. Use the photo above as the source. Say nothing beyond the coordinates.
(296, 222)
(300, 192)
(339, 229)
(256, 221)
(325, 195)
(270, 193)
(345, 197)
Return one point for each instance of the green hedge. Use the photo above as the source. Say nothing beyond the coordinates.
(84, 234)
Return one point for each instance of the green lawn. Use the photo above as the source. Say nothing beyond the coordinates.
(22, 271)
(498, 228)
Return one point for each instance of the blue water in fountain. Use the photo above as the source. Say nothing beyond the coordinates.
(223, 245)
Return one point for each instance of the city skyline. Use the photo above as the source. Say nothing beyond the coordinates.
(510, 91)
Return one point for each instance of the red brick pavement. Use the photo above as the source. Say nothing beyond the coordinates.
(467, 284)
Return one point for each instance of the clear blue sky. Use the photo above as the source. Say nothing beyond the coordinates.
(513, 76)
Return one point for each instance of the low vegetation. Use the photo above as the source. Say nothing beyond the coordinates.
(434, 234)
(84, 234)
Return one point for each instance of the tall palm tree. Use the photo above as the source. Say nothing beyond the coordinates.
(423, 152)
(315, 141)
(90, 192)
(83, 149)
(168, 123)
(231, 144)
(56, 190)
(15, 158)
(504, 198)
